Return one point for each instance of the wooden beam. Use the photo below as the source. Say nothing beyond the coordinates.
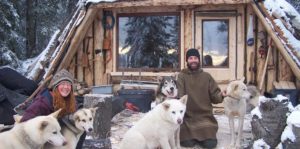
(277, 41)
(78, 37)
(123, 4)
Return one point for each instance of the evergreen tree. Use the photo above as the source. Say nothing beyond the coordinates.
(149, 38)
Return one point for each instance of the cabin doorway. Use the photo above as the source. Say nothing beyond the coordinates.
(216, 39)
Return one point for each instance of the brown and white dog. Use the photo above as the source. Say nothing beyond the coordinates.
(78, 123)
(235, 107)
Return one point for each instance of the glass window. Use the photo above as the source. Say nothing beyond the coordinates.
(215, 43)
(150, 42)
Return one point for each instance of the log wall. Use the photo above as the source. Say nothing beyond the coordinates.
(100, 69)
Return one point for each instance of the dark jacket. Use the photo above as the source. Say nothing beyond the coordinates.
(202, 90)
(42, 105)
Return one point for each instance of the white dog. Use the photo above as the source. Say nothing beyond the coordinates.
(235, 106)
(158, 128)
(33, 134)
(82, 120)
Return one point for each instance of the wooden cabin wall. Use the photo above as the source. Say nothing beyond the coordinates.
(277, 68)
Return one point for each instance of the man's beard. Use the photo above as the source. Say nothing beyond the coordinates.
(194, 67)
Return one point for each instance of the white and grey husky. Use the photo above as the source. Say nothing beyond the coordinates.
(167, 90)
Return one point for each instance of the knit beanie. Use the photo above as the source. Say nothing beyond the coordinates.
(62, 75)
(192, 52)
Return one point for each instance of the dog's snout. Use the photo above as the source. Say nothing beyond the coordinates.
(172, 88)
(90, 129)
(179, 121)
(65, 143)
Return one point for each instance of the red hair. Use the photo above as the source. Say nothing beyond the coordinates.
(67, 104)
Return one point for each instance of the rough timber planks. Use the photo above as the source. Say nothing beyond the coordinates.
(78, 37)
(277, 42)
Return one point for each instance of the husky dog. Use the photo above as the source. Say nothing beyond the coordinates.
(167, 90)
(253, 101)
(158, 128)
(235, 106)
(82, 120)
(33, 134)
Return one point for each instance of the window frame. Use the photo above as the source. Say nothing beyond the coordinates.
(118, 15)
(228, 35)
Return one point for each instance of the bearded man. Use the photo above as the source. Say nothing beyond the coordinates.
(199, 126)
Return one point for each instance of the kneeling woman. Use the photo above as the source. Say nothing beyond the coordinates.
(59, 95)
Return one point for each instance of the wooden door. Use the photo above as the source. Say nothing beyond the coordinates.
(216, 39)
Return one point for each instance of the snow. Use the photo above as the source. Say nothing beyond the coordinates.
(263, 99)
(42, 57)
(292, 121)
(288, 134)
(283, 10)
(294, 118)
(295, 44)
(260, 144)
(256, 112)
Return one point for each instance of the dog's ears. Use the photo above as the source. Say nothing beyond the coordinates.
(55, 114)
(43, 125)
(94, 110)
(159, 78)
(183, 99)
(76, 117)
(166, 105)
(175, 75)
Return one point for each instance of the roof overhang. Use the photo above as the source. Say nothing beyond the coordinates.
(148, 3)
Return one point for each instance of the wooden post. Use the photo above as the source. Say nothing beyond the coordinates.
(101, 132)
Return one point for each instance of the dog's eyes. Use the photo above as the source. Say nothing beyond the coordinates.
(181, 111)
(173, 112)
(166, 83)
(55, 132)
(90, 119)
(84, 120)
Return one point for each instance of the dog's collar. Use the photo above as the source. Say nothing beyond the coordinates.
(71, 125)
(232, 97)
(27, 140)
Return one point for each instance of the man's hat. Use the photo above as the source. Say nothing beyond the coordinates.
(192, 52)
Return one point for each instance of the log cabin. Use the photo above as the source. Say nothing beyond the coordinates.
(106, 42)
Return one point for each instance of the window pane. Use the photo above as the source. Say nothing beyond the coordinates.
(215, 43)
(148, 41)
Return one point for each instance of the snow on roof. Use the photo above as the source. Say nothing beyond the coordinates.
(285, 11)
(40, 58)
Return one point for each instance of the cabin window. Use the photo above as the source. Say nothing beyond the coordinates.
(215, 43)
(148, 42)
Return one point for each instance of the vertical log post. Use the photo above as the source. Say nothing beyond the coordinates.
(101, 132)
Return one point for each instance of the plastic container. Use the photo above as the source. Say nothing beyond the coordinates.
(102, 89)
(141, 98)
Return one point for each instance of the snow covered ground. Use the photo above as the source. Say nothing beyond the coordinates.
(126, 119)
